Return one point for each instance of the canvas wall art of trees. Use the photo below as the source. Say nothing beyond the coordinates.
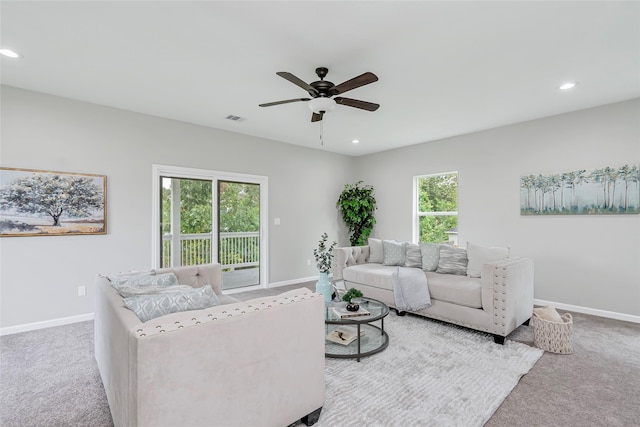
(607, 190)
(44, 203)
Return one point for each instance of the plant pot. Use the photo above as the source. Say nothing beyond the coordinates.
(352, 306)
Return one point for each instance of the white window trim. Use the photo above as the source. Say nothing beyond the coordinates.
(416, 215)
(192, 173)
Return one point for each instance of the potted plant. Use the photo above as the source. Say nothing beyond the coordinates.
(357, 204)
(351, 293)
(324, 255)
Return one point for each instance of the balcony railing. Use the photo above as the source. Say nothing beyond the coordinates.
(236, 249)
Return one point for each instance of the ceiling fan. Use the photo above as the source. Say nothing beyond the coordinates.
(322, 91)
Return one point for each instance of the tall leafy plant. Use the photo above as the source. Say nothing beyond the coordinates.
(357, 204)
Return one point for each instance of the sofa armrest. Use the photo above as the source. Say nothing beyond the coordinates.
(507, 292)
(348, 256)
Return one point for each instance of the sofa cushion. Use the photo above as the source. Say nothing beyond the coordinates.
(413, 256)
(455, 289)
(393, 253)
(430, 255)
(150, 306)
(452, 260)
(376, 275)
(375, 250)
(480, 255)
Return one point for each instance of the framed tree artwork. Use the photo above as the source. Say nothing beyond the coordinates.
(606, 190)
(46, 203)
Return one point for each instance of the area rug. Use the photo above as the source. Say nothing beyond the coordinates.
(432, 374)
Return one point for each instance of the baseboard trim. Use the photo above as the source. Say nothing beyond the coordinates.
(592, 311)
(46, 324)
(293, 282)
(271, 285)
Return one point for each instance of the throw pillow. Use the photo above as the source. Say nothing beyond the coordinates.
(548, 313)
(452, 260)
(412, 256)
(430, 255)
(148, 307)
(375, 250)
(164, 279)
(133, 290)
(393, 253)
(480, 255)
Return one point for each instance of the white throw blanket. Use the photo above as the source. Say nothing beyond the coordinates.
(410, 289)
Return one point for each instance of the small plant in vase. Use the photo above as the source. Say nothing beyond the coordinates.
(324, 255)
(350, 295)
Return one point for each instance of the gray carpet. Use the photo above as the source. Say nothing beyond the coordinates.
(49, 378)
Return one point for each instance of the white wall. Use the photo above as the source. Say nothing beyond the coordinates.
(584, 261)
(39, 275)
(588, 261)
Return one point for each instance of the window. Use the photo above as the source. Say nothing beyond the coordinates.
(436, 208)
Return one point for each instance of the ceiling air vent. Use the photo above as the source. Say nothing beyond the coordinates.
(235, 118)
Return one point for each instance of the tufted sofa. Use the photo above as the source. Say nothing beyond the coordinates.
(253, 363)
(497, 303)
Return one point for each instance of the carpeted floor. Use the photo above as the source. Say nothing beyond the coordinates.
(49, 378)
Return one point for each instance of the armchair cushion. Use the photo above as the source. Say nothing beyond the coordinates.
(150, 306)
(144, 279)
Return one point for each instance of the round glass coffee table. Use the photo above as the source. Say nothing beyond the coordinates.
(341, 332)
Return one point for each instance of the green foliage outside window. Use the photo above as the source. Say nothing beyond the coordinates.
(239, 205)
(437, 193)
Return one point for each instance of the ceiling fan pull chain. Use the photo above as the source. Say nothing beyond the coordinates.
(322, 133)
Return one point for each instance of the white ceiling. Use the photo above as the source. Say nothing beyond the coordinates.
(444, 68)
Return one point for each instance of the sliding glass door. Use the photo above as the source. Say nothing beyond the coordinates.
(207, 216)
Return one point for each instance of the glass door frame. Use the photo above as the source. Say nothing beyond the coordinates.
(160, 171)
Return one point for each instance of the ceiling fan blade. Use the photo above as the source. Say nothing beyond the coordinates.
(286, 101)
(296, 81)
(361, 80)
(316, 117)
(363, 105)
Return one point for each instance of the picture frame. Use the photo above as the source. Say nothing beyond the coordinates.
(49, 203)
(599, 191)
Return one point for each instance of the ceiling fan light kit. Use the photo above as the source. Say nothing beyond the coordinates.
(318, 105)
(322, 91)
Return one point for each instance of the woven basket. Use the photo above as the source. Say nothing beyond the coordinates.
(555, 337)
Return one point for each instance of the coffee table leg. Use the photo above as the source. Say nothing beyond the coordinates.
(358, 342)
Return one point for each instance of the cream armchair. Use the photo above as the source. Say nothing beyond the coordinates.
(253, 363)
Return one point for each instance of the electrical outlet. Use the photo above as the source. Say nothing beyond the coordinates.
(82, 291)
(308, 262)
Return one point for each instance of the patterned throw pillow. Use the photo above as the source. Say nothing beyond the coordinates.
(393, 253)
(430, 255)
(413, 256)
(165, 279)
(452, 260)
(148, 307)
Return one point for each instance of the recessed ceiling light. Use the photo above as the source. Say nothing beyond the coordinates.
(568, 85)
(355, 141)
(9, 53)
